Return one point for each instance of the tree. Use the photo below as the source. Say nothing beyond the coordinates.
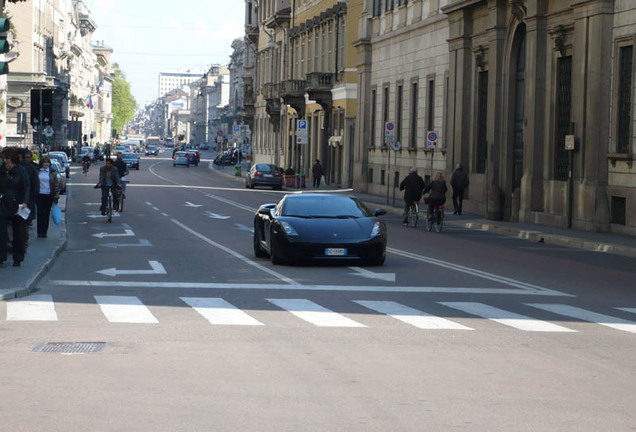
(124, 103)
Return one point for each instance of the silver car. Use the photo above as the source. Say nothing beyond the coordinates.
(181, 158)
(61, 178)
(63, 159)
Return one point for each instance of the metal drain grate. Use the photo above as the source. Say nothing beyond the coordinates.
(70, 347)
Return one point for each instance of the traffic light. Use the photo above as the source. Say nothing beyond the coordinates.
(4, 45)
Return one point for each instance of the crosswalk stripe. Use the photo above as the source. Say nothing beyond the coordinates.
(39, 307)
(632, 310)
(314, 313)
(586, 315)
(125, 309)
(411, 316)
(219, 312)
(507, 318)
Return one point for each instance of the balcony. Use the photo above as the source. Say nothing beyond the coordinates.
(271, 94)
(279, 19)
(251, 33)
(248, 101)
(319, 85)
(293, 93)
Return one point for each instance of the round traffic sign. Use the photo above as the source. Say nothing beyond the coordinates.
(431, 136)
(397, 145)
(48, 131)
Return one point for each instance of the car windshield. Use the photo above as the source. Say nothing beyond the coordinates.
(181, 153)
(152, 147)
(324, 206)
(129, 156)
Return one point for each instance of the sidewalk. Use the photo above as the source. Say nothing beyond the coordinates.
(19, 281)
(602, 242)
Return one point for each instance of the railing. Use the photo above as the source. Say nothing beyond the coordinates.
(271, 91)
(319, 81)
(293, 88)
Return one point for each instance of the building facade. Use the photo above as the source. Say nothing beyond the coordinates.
(174, 80)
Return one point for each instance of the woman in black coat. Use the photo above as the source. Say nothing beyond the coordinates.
(14, 187)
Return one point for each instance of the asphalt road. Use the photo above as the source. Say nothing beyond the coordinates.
(461, 330)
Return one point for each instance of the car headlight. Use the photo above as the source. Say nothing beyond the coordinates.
(377, 230)
(289, 230)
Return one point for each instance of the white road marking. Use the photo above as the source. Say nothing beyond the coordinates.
(219, 312)
(586, 315)
(411, 316)
(296, 286)
(189, 204)
(142, 243)
(125, 309)
(39, 307)
(93, 215)
(164, 214)
(242, 227)
(156, 268)
(507, 318)
(235, 254)
(476, 273)
(126, 233)
(632, 310)
(387, 277)
(215, 216)
(314, 313)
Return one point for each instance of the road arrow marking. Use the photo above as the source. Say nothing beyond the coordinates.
(142, 243)
(93, 204)
(118, 226)
(127, 233)
(157, 268)
(388, 277)
(244, 227)
(215, 216)
(95, 215)
(189, 204)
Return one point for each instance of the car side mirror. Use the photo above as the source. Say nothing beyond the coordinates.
(264, 211)
(380, 212)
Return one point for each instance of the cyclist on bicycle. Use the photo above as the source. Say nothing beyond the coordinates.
(122, 169)
(108, 179)
(412, 185)
(86, 162)
(438, 193)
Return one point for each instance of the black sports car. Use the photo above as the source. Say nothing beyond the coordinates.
(317, 226)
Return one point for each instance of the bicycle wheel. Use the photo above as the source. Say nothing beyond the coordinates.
(439, 219)
(121, 203)
(429, 221)
(109, 209)
(413, 215)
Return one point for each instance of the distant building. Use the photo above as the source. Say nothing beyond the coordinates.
(174, 80)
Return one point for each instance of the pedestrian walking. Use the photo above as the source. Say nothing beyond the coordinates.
(48, 195)
(459, 182)
(26, 162)
(317, 172)
(412, 185)
(14, 188)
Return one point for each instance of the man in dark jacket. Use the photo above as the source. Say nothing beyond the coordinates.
(317, 172)
(26, 162)
(15, 188)
(459, 182)
(412, 185)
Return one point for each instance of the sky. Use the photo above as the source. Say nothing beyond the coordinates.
(152, 36)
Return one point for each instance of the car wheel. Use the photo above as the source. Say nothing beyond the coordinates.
(258, 250)
(274, 258)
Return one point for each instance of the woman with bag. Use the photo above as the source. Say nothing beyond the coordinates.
(14, 189)
(49, 194)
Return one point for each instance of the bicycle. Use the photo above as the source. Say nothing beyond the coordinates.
(85, 167)
(435, 217)
(109, 205)
(413, 214)
(122, 195)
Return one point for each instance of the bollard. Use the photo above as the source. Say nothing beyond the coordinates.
(237, 170)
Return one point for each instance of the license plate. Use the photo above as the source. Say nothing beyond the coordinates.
(268, 175)
(335, 251)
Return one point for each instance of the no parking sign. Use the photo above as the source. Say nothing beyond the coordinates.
(432, 140)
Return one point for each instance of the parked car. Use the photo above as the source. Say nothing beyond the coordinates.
(181, 158)
(61, 177)
(63, 159)
(314, 226)
(264, 175)
(152, 149)
(204, 146)
(225, 158)
(131, 159)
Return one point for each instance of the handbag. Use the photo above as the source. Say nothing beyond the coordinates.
(56, 214)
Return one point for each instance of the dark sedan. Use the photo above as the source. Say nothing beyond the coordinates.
(264, 175)
(131, 159)
(319, 227)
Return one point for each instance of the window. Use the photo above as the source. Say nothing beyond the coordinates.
(370, 179)
(624, 99)
(618, 210)
(377, 8)
(310, 54)
(385, 106)
(563, 105)
(330, 48)
(343, 37)
(302, 58)
(398, 113)
(430, 118)
(389, 5)
(316, 51)
(413, 122)
(374, 98)
(482, 123)
(382, 177)
(323, 49)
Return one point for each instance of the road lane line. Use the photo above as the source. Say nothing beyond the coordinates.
(314, 313)
(39, 307)
(411, 316)
(474, 272)
(219, 312)
(235, 254)
(125, 309)
(586, 315)
(507, 318)
(632, 310)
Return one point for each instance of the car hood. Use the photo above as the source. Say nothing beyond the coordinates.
(331, 228)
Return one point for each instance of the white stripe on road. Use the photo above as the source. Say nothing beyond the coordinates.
(33, 308)
(510, 319)
(411, 316)
(586, 315)
(234, 254)
(632, 310)
(125, 309)
(314, 313)
(219, 312)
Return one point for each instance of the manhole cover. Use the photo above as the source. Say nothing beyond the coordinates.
(70, 347)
